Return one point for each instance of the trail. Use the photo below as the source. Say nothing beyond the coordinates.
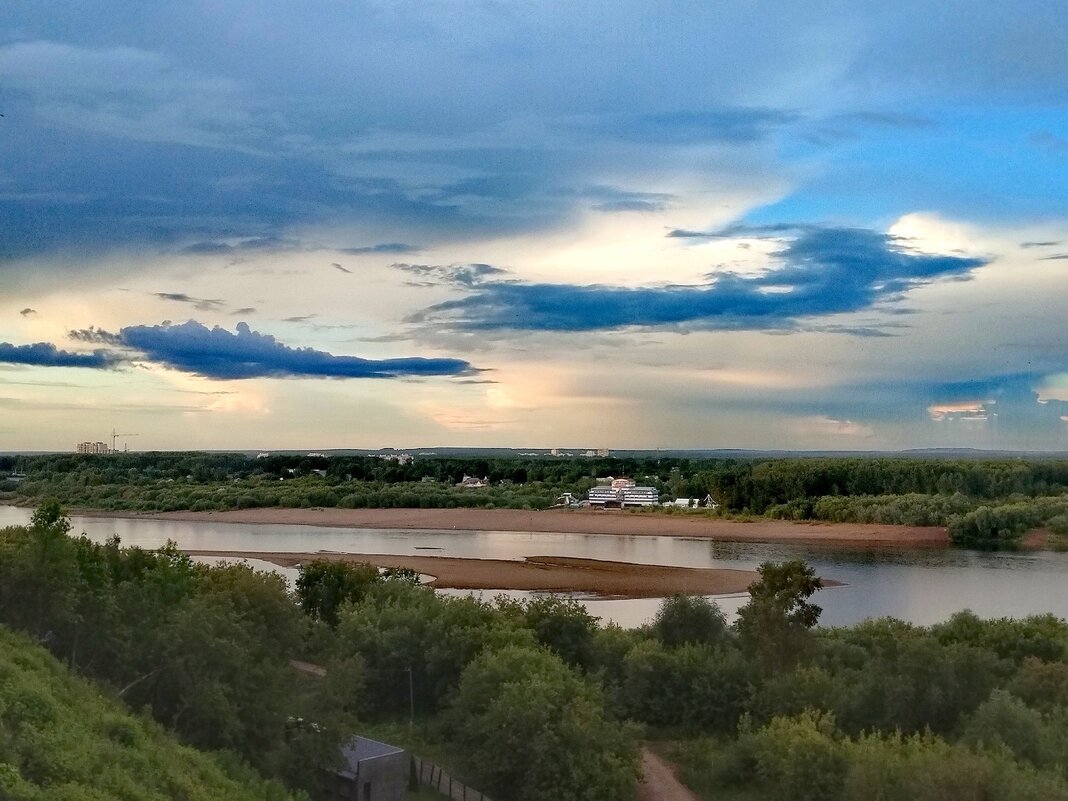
(659, 782)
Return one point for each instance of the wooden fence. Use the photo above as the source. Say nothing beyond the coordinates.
(432, 775)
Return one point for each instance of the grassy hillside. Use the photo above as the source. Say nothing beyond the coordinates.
(62, 740)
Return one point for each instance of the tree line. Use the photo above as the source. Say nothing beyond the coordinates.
(984, 503)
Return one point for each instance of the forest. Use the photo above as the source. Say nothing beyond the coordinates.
(529, 701)
(985, 503)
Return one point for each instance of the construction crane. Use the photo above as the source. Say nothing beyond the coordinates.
(115, 436)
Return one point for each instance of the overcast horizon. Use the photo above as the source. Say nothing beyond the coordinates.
(841, 226)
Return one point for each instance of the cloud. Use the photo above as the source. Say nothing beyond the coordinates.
(28, 312)
(396, 248)
(612, 199)
(690, 126)
(299, 318)
(817, 272)
(94, 335)
(45, 354)
(259, 243)
(245, 310)
(468, 275)
(219, 354)
(337, 266)
(201, 304)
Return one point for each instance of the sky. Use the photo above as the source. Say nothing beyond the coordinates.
(371, 223)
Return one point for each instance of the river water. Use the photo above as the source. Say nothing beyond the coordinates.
(922, 586)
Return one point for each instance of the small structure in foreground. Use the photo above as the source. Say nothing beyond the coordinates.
(372, 771)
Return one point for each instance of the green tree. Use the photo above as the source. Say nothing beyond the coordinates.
(533, 730)
(774, 625)
(683, 619)
(324, 586)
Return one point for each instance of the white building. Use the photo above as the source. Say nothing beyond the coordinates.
(623, 492)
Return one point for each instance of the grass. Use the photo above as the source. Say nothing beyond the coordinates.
(425, 794)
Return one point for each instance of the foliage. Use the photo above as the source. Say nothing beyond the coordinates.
(206, 650)
(774, 623)
(693, 687)
(689, 619)
(62, 740)
(324, 586)
(534, 731)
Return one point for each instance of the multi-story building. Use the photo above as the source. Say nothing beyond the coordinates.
(623, 492)
(93, 447)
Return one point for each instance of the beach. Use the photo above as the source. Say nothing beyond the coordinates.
(573, 521)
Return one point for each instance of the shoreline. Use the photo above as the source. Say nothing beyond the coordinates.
(599, 578)
(560, 521)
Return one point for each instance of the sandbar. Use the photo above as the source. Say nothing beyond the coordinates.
(561, 574)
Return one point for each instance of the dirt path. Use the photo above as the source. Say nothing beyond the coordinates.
(659, 782)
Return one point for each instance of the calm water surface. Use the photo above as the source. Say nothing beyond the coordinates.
(922, 586)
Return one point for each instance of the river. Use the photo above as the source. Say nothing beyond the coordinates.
(921, 586)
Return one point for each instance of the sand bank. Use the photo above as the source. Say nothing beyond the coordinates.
(539, 573)
(575, 522)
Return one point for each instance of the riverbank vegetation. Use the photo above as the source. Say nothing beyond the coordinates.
(984, 503)
(529, 701)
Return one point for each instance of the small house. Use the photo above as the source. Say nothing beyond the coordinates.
(371, 771)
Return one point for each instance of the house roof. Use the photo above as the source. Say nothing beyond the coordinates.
(361, 748)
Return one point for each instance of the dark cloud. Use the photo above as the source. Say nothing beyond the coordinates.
(820, 271)
(1039, 244)
(201, 304)
(245, 310)
(45, 354)
(337, 266)
(299, 318)
(1055, 257)
(97, 336)
(219, 354)
(28, 312)
(395, 248)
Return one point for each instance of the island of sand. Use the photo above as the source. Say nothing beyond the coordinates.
(562, 574)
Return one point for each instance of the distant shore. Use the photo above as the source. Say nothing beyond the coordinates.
(596, 577)
(565, 521)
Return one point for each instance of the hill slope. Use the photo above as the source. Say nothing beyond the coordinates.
(62, 740)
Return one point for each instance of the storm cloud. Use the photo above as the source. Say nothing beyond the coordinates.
(819, 272)
(220, 354)
(45, 354)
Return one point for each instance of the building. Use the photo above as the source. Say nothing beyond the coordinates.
(93, 447)
(623, 492)
(371, 771)
(474, 482)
